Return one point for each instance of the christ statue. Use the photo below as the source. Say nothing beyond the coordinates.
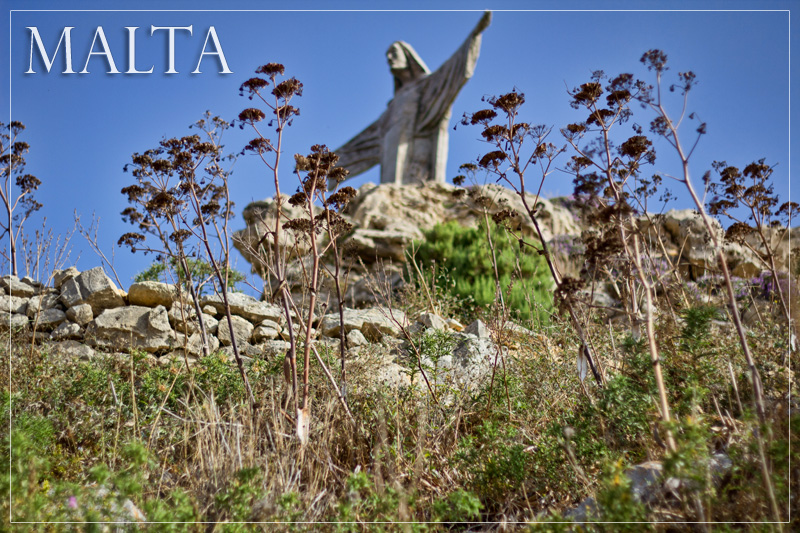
(409, 140)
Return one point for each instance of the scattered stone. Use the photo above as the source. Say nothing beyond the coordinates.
(479, 329)
(431, 320)
(242, 331)
(153, 293)
(80, 314)
(134, 326)
(469, 365)
(454, 324)
(356, 338)
(393, 375)
(73, 349)
(209, 310)
(92, 287)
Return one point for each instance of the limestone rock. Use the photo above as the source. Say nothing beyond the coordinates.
(242, 331)
(265, 331)
(356, 338)
(41, 303)
(15, 287)
(431, 320)
(185, 320)
(62, 276)
(273, 348)
(65, 331)
(454, 324)
(194, 344)
(13, 304)
(133, 326)
(468, 366)
(479, 329)
(152, 294)
(260, 218)
(13, 322)
(80, 314)
(49, 319)
(73, 349)
(92, 287)
(246, 307)
(373, 323)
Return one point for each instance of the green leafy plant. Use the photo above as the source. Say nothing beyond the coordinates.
(466, 270)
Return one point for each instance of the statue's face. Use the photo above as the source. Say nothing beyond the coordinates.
(397, 58)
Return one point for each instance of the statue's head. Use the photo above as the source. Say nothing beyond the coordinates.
(405, 64)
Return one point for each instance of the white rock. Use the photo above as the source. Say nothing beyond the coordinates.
(80, 314)
(133, 326)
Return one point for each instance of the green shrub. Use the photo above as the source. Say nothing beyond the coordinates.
(459, 506)
(199, 269)
(616, 502)
(462, 254)
(496, 462)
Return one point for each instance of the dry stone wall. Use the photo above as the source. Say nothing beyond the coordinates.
(85, 313)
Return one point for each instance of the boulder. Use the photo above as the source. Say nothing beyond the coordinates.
(152, 294)
(137, 327)
(388, 217)
(92, 287)
(469, 365)
(242, 331)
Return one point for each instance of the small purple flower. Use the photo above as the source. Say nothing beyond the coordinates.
(72, 502)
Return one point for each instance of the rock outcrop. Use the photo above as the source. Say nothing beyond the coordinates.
(386, 219)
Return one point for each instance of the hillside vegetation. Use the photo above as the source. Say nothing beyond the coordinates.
(434, 358)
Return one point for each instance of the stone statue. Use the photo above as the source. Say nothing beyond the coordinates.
(409, 140)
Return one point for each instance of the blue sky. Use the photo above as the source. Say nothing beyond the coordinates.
(83, 128)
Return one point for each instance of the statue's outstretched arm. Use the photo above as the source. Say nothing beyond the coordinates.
(442, 86)
(362, 152)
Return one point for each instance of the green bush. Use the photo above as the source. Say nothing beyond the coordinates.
(463, 255)
(199, 269)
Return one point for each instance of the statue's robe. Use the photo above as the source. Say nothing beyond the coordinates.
(409, 140)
